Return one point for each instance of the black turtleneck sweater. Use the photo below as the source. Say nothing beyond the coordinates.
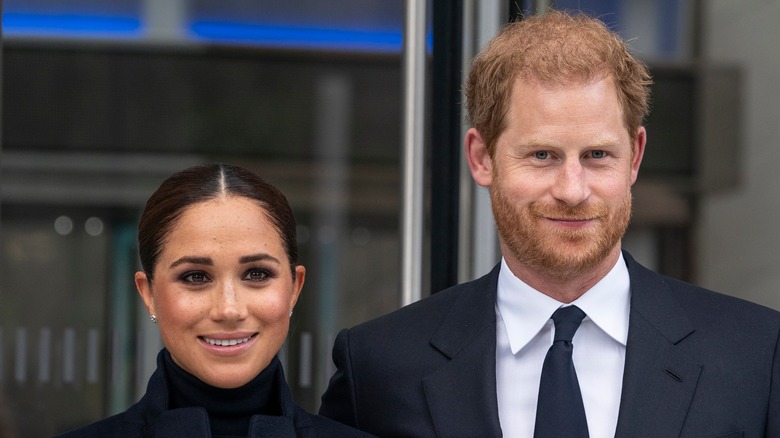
(229, 410)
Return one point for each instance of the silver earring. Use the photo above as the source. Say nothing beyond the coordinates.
(291, 313)
(153, 319)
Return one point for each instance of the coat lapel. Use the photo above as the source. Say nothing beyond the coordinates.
(658, 383)
(189, 422)
(659, 378)
(461, 394)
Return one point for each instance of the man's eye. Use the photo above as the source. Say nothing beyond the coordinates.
(541, 155)
(598, 154)
(195, 277)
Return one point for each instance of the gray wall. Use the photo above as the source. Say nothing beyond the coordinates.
(739, 237)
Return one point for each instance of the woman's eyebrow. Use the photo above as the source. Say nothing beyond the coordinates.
(257, 257)
(194, 260)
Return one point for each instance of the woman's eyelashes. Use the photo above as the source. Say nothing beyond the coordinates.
(259, 274)
(253, 274)
(195, 278)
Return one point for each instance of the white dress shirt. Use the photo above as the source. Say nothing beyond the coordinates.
(524, 333)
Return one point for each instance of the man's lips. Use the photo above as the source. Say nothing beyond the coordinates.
(571, 219)
(570, 222)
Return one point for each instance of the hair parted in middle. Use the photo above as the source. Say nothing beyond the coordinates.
(199, 184)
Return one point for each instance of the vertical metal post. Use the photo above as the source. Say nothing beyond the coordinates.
(446, 142)
(413, 150)
(334, 95)
(165, 20)
(478, 240)
(541, 6)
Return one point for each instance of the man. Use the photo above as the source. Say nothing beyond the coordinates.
(557, 104)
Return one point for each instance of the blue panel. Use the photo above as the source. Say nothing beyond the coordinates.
(71, 25)
(381, 37)
(298, 37)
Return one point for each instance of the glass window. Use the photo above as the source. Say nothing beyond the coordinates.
(91, 127)
(371, 25)
(659, 30)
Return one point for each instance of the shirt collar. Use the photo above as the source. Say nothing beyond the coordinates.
(525, 310)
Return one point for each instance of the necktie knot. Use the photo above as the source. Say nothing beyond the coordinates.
(567, 321)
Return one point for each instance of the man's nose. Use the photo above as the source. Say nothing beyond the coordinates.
(571, 185)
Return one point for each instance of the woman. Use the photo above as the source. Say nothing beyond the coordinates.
(220, 277)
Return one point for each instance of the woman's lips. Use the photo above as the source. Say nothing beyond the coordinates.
(227, 340)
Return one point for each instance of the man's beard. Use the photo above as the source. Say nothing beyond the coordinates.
(559, 253)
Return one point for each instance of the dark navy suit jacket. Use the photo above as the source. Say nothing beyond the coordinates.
(698, 364)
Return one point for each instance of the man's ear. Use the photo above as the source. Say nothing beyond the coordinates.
(480, 163)
(637, 152)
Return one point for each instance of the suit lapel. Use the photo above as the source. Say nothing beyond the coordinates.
(658, 383)
(659, 379)
(461, 394)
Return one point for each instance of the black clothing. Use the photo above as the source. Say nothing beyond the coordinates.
(170, 408)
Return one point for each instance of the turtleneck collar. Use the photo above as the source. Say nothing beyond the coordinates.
(229, 410)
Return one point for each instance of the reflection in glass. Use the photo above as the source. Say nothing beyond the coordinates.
(90, 129)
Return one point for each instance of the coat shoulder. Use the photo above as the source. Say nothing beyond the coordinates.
(325, 427)
(700, 300)
(113, 426)
(476, 297)
(672, 303)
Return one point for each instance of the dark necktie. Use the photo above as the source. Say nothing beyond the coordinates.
(560, 412)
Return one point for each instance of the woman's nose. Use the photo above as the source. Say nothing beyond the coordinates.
(228, 304)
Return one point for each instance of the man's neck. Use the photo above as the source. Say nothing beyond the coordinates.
(567, 289)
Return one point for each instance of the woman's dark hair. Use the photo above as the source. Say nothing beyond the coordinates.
(202, 183)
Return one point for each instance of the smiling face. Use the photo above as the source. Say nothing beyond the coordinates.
(560, 179)
(222, 291)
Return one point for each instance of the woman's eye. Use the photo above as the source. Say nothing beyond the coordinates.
(195, 278)
(257, 275)
(541, 155)
(598, 154)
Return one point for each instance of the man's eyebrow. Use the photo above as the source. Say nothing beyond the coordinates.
(194, 260)
(541, 144)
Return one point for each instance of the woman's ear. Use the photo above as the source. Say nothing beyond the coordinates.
(144, 287)
(298, 280)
